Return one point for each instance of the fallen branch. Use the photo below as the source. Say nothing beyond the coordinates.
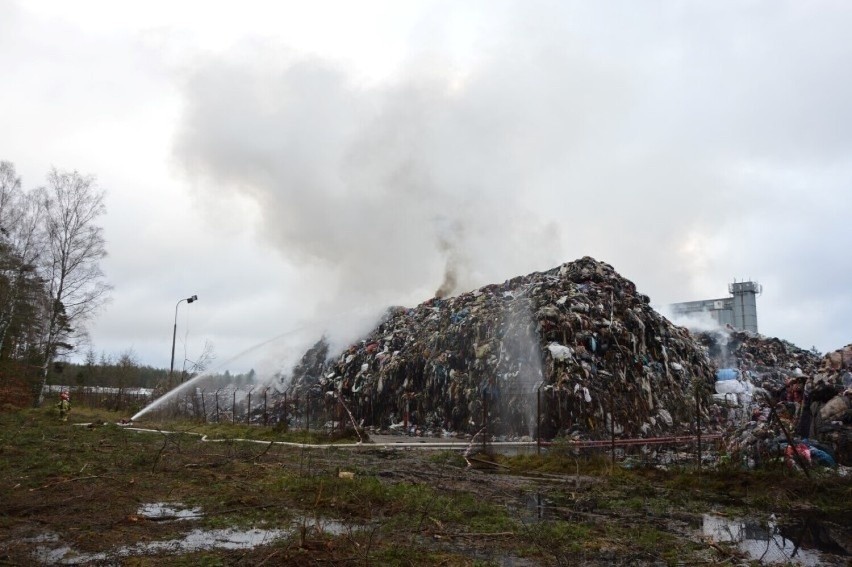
(268, 557)
(68, 480)
(469, 449)
(726, 553)
(488, 463)
(351, 418)
(262, 453)
(474, 534)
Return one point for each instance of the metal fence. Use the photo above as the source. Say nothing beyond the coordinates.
(326, 412)
(262, 406)
(116, 399)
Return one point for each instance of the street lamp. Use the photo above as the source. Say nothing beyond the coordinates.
(174, 334)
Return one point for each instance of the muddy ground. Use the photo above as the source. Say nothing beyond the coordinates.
(104, 495)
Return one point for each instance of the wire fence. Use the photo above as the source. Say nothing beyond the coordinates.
(325, 412)
(94, 397)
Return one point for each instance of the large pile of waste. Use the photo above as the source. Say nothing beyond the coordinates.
(751, 363)
(778, 396)
(831, 415)
(576, 341)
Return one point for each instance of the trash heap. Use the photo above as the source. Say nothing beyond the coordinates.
(577, 341)
(776, 386)
(837, 366)
(831, 417)
(770, 359)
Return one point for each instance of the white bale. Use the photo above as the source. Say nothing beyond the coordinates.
(730, 387)
(560, 352)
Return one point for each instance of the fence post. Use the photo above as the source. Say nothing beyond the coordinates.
(698, 424)
(248, 406)
(234, 408)
(203, 407)
(484, 420)
(307, 412)
(265, 415)
(217, 406)
(538, 420)
(405, 417)
(612, 426)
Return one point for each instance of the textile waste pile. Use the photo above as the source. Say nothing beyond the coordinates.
(773, 395)
(831, 416)
(577, 341)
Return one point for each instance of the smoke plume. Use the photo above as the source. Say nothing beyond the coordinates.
(559, 132)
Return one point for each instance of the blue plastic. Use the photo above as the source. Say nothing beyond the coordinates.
(821, 457)
(726, 374)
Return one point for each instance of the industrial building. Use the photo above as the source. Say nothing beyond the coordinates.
(739, 311)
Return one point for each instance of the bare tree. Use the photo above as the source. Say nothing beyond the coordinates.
(71, 266)
(21, 246)
(10, 196)
(200, 364)
(10, 189)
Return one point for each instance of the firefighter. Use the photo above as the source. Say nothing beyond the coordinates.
(64, 405)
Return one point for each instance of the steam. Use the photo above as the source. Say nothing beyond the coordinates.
(448, 245)
(556, 133)
(273, 360)
(697, 321)
(701, 321)
(382, 195)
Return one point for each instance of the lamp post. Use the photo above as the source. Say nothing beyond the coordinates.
(174, 335)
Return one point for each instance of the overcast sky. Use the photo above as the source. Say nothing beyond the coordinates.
(294, 162)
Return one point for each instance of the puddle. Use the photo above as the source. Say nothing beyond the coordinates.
(168, 511)
(322, 526)
(54, 552)
(195, 540)
(49, 554)
(533, 508)
(202, 540)
(808, 543)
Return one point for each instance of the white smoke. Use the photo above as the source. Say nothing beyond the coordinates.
(560, 132)
(697, 321)
(385, 193)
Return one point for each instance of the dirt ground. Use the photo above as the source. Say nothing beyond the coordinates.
(104, 495)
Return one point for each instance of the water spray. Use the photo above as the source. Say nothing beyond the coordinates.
(283, 361)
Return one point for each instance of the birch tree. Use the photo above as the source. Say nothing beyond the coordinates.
(75, 246)
(21, 245)
(10, 195)
(10, 190)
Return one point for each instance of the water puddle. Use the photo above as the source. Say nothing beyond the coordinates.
(195, 540)
(168, 511)
(321, 526)
(202, 540)
(533, 508)
(54, 552)
(808, 543)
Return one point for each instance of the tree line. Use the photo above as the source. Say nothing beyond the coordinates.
(51, 282)
(125, 371)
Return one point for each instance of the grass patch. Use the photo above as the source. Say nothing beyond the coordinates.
(86, 485)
